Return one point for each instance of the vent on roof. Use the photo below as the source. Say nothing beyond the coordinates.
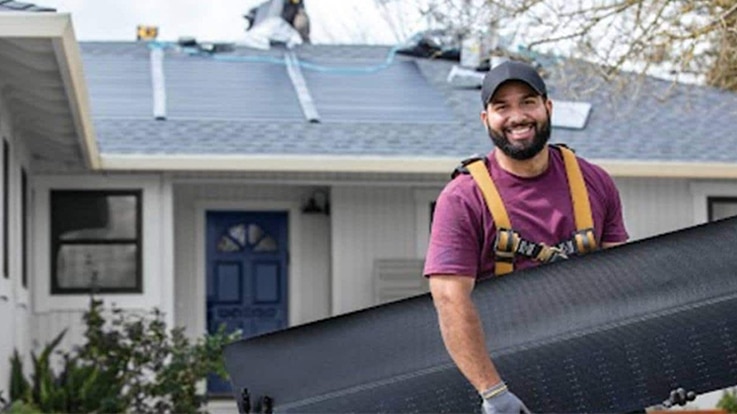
(569, 114)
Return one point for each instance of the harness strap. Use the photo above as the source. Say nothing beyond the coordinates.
(508, 242)
(503, 263)
(584, 236)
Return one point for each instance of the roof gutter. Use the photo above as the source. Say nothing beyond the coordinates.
(374, 164)
(277, 163)
(57, 27)
(669, 169)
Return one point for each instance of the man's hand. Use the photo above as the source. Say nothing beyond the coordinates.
(499, 400)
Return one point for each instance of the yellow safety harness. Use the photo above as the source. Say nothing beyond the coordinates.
(509, 243)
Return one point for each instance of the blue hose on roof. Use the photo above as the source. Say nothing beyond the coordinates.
(347, 70)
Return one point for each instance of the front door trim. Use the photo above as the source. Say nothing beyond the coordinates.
(295, 259)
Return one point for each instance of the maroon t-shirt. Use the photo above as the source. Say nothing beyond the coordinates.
(539, 209)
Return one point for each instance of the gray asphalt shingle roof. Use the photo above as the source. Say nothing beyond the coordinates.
(644, 119)
(10, 5)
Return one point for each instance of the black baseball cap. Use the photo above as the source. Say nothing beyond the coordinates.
(507, 71)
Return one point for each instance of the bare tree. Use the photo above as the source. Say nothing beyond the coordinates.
(683, 38)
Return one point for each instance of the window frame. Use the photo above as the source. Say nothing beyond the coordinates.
(25, 219)
(56, 242)
(6, 209)
(424, 199)
(711, 200)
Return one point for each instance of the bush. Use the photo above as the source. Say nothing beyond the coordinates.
(129, 362)
(728, 402)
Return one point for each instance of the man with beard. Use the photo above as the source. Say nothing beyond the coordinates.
(532, 183)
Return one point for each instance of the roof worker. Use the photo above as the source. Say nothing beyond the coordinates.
(525, 203)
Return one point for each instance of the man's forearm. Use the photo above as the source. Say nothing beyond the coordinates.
(462, 333)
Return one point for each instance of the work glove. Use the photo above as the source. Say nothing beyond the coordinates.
(499, 400)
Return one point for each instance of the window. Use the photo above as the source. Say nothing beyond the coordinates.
(721, 207)
(424, 213)
(24, 226)
(432, 214)
(6, 209)
(241, 236)
(96, 242)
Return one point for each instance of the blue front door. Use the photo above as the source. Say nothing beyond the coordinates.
(246, 275)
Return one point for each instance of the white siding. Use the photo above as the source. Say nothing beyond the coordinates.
(47, 325)
(53, 313)
(309, 271)
(369, 223)
(6, 340)
(14, 298)
(655, 206)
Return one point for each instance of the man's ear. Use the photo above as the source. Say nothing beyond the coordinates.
(549, 105)
(483, 116)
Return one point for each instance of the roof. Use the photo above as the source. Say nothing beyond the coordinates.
(240, 103)
(44, 91)
(11, 5)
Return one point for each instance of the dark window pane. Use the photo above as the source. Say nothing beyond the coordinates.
(720, 208)
(254, 234)
(238, 233)
(96, 241)
(432, 214)
(102, 266)
(227, 245)
(94, 216)
(267, 244)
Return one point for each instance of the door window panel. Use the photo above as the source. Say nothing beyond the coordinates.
(241, 236)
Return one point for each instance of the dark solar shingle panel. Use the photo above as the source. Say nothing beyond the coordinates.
(206, 88)
(587, 335)
(119, 85)
(396, 94)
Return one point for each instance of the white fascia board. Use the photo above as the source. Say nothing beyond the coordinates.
(69, 58)
(406, 165)
(669, 169)
(278, 163)
(57, 27)
(33, 24)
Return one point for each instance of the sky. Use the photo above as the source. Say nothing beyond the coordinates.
(332, 21)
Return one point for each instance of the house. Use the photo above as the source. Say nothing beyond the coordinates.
(272, 188)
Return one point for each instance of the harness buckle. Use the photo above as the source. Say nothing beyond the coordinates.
(585, 241)
(550, 254)
(505, 245)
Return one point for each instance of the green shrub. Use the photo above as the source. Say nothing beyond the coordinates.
(728, 402)
(128, 363)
